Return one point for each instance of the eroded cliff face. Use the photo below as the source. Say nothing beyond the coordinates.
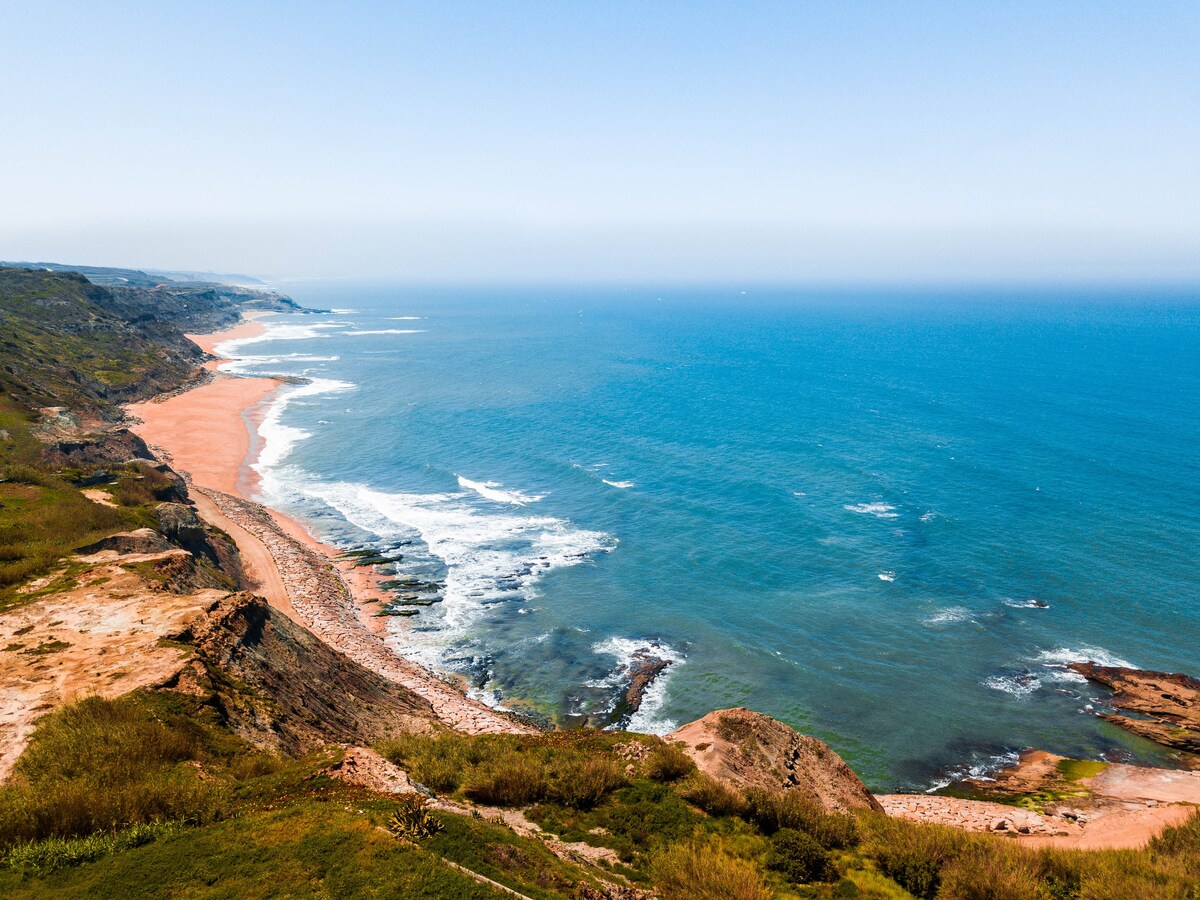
(282, 688)
(750, 750)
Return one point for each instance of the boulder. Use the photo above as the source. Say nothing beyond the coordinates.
(180, 525)
(745, 749)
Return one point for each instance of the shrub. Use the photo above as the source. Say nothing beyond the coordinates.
(706, 870)
(436, 761)
(714, 797)
(773, 810)
(799, 858)
(513, 780)
(114, 737)
(913, 855)
(669, 763)
(412, 819)
(583, 782)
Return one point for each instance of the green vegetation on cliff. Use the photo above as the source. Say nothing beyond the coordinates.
(67, 342)
(150, 795)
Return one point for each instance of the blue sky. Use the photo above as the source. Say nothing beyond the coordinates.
(562, 141)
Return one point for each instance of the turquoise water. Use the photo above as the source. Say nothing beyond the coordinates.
(887, 518)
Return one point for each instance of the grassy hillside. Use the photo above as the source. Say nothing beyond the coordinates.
(150, 796)
(67, 342)
(44, 514)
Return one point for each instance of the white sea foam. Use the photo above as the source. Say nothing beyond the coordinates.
(1026, 603)
(280, 439)
(618, 484)
(887, 576)
(878, 510)
(1020, 685)
(1064, 656)
(489, 556)
(950, 616)
(405, 318)
(345, 312)
(388, 331)
(1053, 670)
(646, 720)
(251, 364)
(275, 331)
(977, 771)
(491, 490)
(928, 516)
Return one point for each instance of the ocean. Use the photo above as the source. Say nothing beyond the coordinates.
(889, 518)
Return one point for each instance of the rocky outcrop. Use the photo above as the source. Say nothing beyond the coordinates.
(750, 750)
(1167, 705)
(143, 540)
(642, 670)
(101, 448)
(365, 768)
(283, 688)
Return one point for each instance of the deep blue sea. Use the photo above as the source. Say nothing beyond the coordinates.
(888, 518)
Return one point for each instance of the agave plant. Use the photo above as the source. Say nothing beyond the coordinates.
(412, 819)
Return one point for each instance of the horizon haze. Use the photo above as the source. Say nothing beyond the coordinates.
(544, 142)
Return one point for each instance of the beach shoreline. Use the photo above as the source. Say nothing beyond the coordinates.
(210, 434)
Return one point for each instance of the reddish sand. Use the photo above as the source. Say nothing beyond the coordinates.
(200, 432)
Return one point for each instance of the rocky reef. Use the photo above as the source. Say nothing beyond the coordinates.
(1166, 706)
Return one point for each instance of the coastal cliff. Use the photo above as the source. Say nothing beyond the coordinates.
(192, 704)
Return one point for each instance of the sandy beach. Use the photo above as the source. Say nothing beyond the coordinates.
(210, 434)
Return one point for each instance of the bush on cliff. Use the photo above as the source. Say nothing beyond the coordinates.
(799, 858)
(774, 810)
(584, 783)
(669, 763)
(714, 797)
(513, 780)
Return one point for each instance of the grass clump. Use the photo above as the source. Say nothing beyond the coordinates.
(104, 765)
(669, 763)
(714, 797)
(54, 853)
(583, 783)
(775, 810)
(513, 780)
(706, 870)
